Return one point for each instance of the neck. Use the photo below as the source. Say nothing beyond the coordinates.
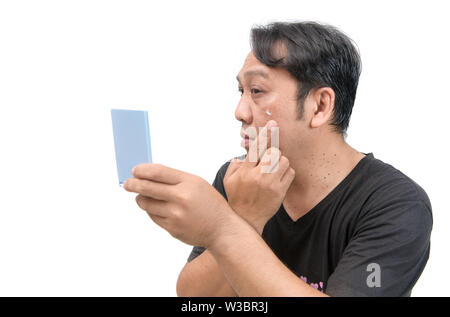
(319, 168)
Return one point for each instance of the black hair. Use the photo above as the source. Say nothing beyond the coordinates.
(317, 55)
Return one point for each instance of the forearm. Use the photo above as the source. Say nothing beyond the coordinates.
(203, 277)
(250, 266)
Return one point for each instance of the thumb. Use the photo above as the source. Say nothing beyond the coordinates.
(233, 167)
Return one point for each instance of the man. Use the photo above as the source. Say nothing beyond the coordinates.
(327, 220)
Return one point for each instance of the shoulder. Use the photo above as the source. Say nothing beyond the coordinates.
(393, 198)
(388, 183)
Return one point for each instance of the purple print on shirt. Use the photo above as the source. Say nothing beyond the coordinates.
(317, 286)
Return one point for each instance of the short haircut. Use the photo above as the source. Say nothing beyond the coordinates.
(317, 55)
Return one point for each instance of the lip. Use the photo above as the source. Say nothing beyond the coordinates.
(245, 142)
(244, 135)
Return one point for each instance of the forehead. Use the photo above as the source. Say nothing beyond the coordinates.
(252, 61)
(253, 67)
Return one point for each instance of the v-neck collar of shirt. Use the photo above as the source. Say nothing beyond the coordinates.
(306, 218)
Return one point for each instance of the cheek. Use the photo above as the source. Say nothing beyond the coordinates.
(278, 106)
(282, 133)
(287, 123)
(275, 108)
(270, 104)
(277, 112)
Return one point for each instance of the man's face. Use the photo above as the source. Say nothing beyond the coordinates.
(268, 90)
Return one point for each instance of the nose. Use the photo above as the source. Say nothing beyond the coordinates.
(243, 111)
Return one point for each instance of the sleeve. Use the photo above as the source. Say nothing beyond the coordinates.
(218, 185)
(387, 253)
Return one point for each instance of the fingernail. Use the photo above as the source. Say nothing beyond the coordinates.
(133, 170)
(271, 124)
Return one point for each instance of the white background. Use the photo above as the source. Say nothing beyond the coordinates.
(68, 229)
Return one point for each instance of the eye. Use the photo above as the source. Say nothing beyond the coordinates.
(255, 91)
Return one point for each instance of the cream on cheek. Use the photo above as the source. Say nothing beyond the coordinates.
(277, 109)
(267, 107)
(270, 110)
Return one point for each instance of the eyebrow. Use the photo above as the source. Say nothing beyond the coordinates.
(251, 73)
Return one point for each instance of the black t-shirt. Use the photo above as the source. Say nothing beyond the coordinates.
(370, 236)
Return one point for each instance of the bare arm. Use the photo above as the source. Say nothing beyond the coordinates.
(252, 268)
(203, 277)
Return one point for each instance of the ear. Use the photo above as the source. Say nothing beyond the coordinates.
(323, 106)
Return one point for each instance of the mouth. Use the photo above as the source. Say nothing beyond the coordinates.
(246, 141)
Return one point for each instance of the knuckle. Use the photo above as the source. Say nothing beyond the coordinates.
(182, 197)
(177, 217)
